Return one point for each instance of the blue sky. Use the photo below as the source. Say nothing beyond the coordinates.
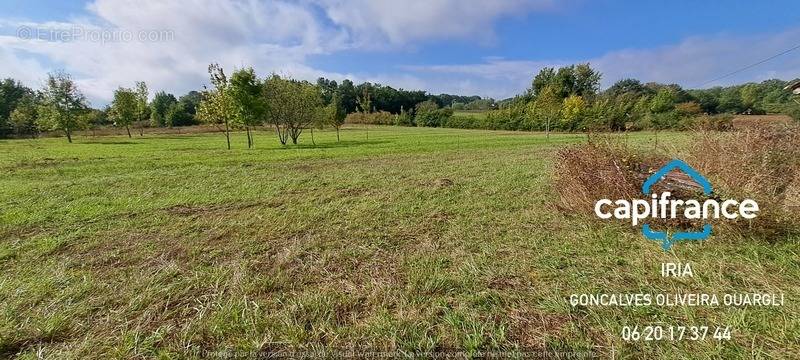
(466, 47)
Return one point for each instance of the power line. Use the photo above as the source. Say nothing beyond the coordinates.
(750, 66)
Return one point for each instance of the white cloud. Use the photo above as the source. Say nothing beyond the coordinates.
(690, 63)
(276, 36)
(270, 36)
(374, 22)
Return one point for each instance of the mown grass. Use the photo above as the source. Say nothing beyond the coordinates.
(395, 238)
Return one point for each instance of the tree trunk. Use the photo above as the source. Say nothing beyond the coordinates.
(129, 130)
(312, 137)
(337, 134)
(69, 136)
(656, 146)
(227, 135)
(281, 137)
(141, 128)
(547, 129)
(249, 139)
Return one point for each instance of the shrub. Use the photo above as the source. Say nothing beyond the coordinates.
(433, 118)
(404, 119)
(597, 170)
(758, 163)
(464, 122)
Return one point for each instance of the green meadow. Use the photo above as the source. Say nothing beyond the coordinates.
(409, 239)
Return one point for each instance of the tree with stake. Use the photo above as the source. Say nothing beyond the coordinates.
(245, 89)
(548, 104)
(217, 106)
(62, 104)
(141, 104)
(336, 114)
(124, 108)
(365, 103)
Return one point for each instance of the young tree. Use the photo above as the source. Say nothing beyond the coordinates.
(365, 101)
(245, 89)
(292, 106)
(336, 114)
(62, 104)
(548, 105)
(141, 104)
(217, 106)
(124, 108)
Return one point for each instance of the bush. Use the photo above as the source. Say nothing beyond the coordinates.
(759, 164)
(464, 122)
(509, 118)
(598, 170)
(404, 119)
(433, 118)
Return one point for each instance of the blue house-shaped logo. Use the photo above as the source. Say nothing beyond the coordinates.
(664, 237)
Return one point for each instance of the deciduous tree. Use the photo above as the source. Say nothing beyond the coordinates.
(246, 93)
(62, 104)
(141, 104)
(217, 106)
(124, 108)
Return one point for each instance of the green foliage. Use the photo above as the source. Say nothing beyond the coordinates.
(61, 105)
(405, 119)
(365, 100)
(335, 114)
(23, 118)
(246, 92)
(178, 115)
(663, 101)
(580, 80)
(142, 110)
(12, 92)
(429, 114)
(218, 106)
(125, 108)
(292, 106)
(161, 103)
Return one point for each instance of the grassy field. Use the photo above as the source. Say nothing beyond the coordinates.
(395, 238)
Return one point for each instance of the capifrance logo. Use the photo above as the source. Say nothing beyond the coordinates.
(663, 206)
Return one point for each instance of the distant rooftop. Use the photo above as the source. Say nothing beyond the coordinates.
(794, 87)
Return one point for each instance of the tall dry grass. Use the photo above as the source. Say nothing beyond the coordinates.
(757, 163)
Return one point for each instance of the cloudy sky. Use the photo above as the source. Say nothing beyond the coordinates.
(469, 47)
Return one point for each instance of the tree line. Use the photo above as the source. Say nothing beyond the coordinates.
(26, 112)
(569, 99)
(564, 99)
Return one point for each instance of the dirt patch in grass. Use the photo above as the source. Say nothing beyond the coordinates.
(198, 210)
(442, 183)
(530, 328)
